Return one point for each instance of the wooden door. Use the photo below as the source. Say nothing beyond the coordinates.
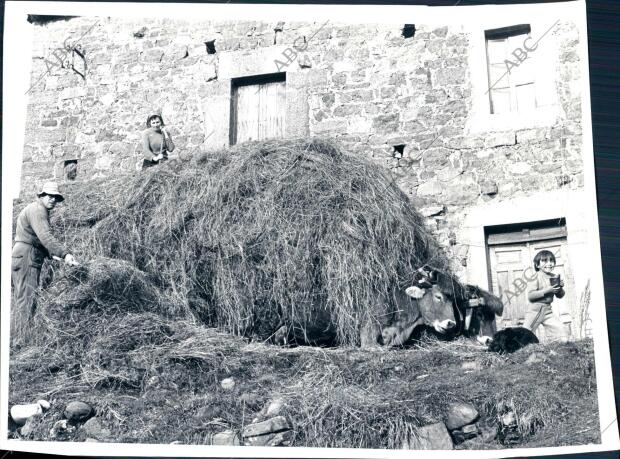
(260, 111)
(508, 264)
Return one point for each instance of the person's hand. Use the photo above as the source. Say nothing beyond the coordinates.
(158, 157)
(70, 260)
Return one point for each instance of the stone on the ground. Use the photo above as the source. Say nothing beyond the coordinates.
(465, 433)
(275, 407)
(60, 427)
(45, 405)
(508, 419)
(228, 383)
(91, 440)
(432, 436)
(460, 414)
(94, 428)
(275, 439)
(226, 438)
(78, 411)
(488, 434)
(508, 431)
(29, 426)
(273, 425)
(21, 413)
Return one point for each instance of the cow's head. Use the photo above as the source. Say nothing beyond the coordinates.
(435, 301)
(438, 311)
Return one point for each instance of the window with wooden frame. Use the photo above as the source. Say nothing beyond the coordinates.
(258, 108)
(510, 69)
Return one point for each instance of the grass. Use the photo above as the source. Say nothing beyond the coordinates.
(342, 397)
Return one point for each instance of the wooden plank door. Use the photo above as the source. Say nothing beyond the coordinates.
(260, 111)
(508, 263)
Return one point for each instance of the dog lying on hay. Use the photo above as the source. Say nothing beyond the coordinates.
(435, 300)
(510, 339)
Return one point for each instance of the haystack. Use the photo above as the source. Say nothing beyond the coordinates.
(294, 232)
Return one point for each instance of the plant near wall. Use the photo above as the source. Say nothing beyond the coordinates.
(584, 311)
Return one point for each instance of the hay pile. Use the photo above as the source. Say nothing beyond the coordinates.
(295, 232)
(241, 241)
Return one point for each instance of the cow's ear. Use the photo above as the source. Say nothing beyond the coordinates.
(415, 292)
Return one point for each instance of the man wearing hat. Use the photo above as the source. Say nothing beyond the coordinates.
(33, 243)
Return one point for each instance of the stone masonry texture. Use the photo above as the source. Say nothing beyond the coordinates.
(365, 85)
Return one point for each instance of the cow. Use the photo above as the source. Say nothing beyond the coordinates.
(437, 300)
(430, 301)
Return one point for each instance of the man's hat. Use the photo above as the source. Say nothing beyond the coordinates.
(51, 188)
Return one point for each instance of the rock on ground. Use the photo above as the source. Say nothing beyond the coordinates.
(273, 425)
(465, 433)
(460, 414)
(274, 439)
(29, 426)
(21, 413)
(78, 411)
(94, 428)
(226, 438)
(432, 436)
(228, 383)
(61, 428)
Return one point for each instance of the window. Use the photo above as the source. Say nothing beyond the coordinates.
(510, 69)
(258, 108)
(70, 169)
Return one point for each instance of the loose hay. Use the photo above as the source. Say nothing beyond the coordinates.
(242, 240)
(295, 232)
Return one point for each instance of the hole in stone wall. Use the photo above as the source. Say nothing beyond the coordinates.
(399, 150)
(140, 33)
(409, 31)
(210, 46)
(70, 169)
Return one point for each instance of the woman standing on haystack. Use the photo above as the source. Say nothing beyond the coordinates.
(156, 142)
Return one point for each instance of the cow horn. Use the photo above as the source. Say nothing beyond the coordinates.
(415, 292)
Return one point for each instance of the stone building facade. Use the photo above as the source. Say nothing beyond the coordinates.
(495, 166)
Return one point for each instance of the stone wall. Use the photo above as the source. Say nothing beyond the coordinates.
(366, 85)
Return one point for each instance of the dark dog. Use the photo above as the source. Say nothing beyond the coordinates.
(511, 339)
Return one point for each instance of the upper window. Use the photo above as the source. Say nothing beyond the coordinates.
(258, 108)
(510, 69)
